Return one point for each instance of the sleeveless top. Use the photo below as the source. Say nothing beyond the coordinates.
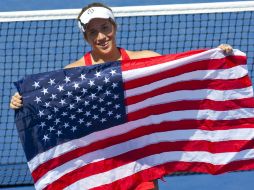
(88, 58)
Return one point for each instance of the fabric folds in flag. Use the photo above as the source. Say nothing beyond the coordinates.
(117, 124)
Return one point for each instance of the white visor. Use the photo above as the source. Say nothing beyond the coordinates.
(94, 12)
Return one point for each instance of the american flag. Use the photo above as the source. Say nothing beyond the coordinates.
(117, 124)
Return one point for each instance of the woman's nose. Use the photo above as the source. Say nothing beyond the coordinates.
(101, 36)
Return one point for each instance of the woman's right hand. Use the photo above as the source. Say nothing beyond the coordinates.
(16, 101)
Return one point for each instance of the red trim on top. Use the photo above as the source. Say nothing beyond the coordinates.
(88, 58)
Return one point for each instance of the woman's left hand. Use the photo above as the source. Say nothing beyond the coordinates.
(227, 49)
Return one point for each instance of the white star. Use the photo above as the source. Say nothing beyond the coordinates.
(57, 121)
(47, 104)
(41, 113)
(116, 96)
(92, 96)
(109, 103)
(81, 121)
(45, 91)
(64, 114)
(78, 98)
(113, 72)
(95, 117)
(76, 85)
(94, 107)
(37, 99)
(67, 79)
(102, 110)
(117, 116)
(62, 102)
(82, 76)
(69, 94)
(110, 113)
(56, 109)
(36, 85)
(103, 120)
(59, 133)
(51, 81)
(101, 100)
(86, 103)
(99, 88)
(45, 138)
(98, 74)
(51, 129)
(114, 85)
(72, 117)
(91, 83)
(42, 124)
(74, 128)
(84, 90)
(87, 113)
(66, 125)
(49, 117)
(80, 110)
(117, 106)
(107, 93)
(106, 80)
(88, 124)
(71, 106)
(60, 88)
(53, 96)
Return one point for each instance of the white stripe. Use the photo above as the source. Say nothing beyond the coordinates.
(157, 159)
(232, 73)
(169, 136)
(124, 128)
(215, 53)
(216, 95)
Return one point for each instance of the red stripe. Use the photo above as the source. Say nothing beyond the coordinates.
(191, 105)
(131, 156)
(216, 84)
(141, 131)
(145, 62)
(212, 64)
(159, 171)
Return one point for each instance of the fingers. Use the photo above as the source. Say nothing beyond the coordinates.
(227, 49)
(16, 101)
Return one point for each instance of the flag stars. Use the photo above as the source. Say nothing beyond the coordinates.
(88, 124)
(74, 128)
(71, 106)
(118, 116)
(56, 109)
(72, 117)
(80, 110)
(41, 113)
(99, 88)
(51, 81)
(106, 80)
(76, 85)
(107, 93)
(64, 114)
(49, 117)
(97, 74)
(45, 91)
(102, 110)
(84, 90)
(88, 113)
(66, 125)
(95, 117)
(101, 100)
(59, 133)
(37, 99)
(69, 94)
(53, 96)
(103, 120)
(91, 83)
(86, 103)
(57, 121)
(47, 104)
(117, 106)
(42, 125)
(81, 121)
(94, 107)
(116, 96)
(93, 96)
(45, 138)
(67, 79)
(60, 88)
(114, 85)
(78, 98)
(36, 85)
(110, 113)
(113, 72)
(82, 76)
(62, 102)
(51, 129)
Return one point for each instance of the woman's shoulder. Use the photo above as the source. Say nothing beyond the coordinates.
(78, 63)
(142, 54)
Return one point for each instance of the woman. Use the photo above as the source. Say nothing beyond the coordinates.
(97, 23)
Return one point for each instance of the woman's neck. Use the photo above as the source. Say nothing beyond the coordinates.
(114, 55)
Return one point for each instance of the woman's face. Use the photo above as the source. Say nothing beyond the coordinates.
(100, 34)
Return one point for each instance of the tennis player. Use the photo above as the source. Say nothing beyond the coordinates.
(97, 23)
